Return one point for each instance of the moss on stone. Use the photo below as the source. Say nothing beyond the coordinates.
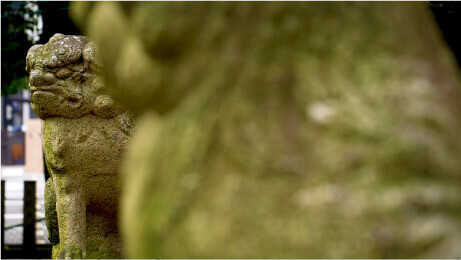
(84, 134)
(285, 130)
(51, 216)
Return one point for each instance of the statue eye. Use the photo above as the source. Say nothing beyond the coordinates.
(63, 73)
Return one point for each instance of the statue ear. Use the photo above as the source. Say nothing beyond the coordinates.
(90, 57)
(104, 107)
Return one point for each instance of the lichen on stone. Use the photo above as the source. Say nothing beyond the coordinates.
(284, 130)
(84, 135)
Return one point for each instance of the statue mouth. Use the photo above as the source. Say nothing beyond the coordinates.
(44, 89)
(57, 93)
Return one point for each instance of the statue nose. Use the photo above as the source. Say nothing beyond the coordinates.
(41, 78)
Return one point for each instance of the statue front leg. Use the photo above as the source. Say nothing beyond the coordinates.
(71, 212)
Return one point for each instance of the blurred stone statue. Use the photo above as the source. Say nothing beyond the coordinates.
(84, 135)
(284, 130)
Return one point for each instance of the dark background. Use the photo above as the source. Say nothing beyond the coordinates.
(448, 17)
(55, 15)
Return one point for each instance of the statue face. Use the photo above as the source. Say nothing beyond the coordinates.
(61, 83)
(59, 92)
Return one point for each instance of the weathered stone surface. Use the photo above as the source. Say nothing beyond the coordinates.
(284, 130)
(84, 135)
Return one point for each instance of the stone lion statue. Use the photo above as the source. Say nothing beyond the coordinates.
(84, 134)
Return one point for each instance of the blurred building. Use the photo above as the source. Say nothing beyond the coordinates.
(21, 160)
(16, 117)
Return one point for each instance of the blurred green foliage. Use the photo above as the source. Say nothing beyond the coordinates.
(14, 46)
(15, 42)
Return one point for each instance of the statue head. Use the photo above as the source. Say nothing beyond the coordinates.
(65, 79)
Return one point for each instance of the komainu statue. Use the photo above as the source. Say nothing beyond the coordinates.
(84, 134)
(284, 129)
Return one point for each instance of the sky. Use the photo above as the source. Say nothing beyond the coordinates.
(34, 34)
